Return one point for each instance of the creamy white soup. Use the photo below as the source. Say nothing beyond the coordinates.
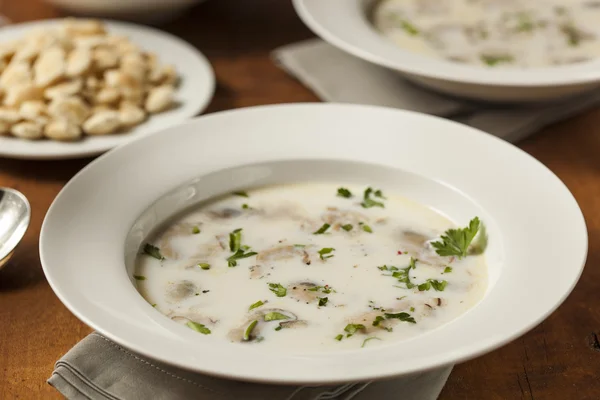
(313, 266)
(495, 33)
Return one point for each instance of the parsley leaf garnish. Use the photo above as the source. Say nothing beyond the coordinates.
(324, 251)
(401, 316)
(198, 327)
(241, 194)
(322, 301)
(204, 266)
(235, 240)
(366, 228)
(351, 329)
(275, 316)
(347, 227)
(325, 289)
(322, 229)
(139, 277)
(256, 305)
(248, 330)
(153, 251)
(368, 202)
(447, 270)
(343, 192)
(339, 337)
(279, 290)
(378, 319)
(238, 255)
(195, 230)
(455, 242)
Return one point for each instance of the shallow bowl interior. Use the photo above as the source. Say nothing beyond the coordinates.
(94, 227)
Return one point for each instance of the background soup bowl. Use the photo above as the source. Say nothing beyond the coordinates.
(345, 24)
(92, 231)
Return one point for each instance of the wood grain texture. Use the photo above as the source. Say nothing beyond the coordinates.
(559, 359)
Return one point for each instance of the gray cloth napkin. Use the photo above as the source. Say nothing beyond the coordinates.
(98, 369)
(340, 77)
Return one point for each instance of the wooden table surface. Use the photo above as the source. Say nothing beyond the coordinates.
(559, 359)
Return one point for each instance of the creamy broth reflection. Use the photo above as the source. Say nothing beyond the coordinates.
(309, 267)
(494, 33)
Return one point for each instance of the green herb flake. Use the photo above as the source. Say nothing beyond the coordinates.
(368, 202)
(279, 290)
(300, 246)
(347, 227)
(351, 329)
(238, 255)
(278, 328)
(204, 266)
(153, 251)
(339, 337)
(195, 230)
(455, 242)
(367, 339)
(139, 277)
(439, 286)
(424, 286)
(378, 320)
(198, 327)
(325, 289)
(412, 309)
(409, 27)
(343, 192)
(256, 305)
(322, 229)
(405, 317)
(322, 301)
(447, 270)
(493, 60)
(367, 228)
(235, 240)
(154, 305)
(274, 316)
(241, 194)
(248, 330)
(323, 253)
(245, 206)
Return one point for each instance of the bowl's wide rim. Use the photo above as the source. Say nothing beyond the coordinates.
(352, 33)
(139, 328)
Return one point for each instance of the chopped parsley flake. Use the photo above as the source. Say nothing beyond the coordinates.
(274, 316)
(232, 260)
(447, 270)
(403, 274)
(241, 194)
(424, 286)
(256, 305)
(367, 339)
(343, 192)
(195, 230)
(198, 327)
(325, 289)
(245, 206)
(235, 240)
(324, 251)
(204, 266)
(153, 251)
(279, 290)
(405, 317)
(248, 330)
(300, 246)
(351, 329)
(347, 227)
(367, 228)
(278, 328)
(439, 286)
(378, 319)
(139, 277)
(455, 242)
(409, 28)
(322, 229)
(386, 268)
(493, 60)
(339, 337)
(368, 202)
(322, 301)
(154, 305)
(412, 309)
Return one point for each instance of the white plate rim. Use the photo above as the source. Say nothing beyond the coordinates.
(338, 22)
(91, 146)
(295, 376)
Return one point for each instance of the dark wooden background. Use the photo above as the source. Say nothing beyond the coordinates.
(560, 359)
